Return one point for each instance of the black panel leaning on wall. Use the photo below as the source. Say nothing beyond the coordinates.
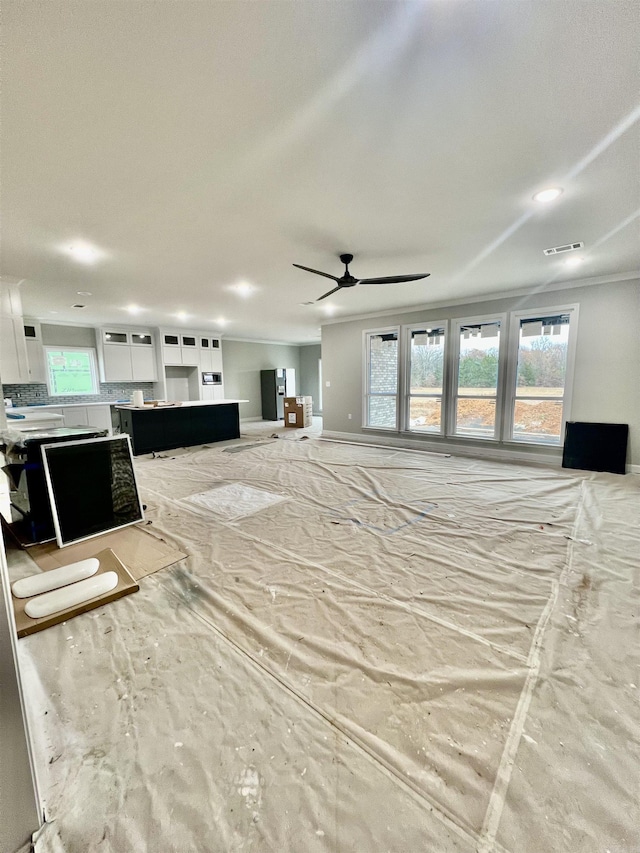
(110, 392)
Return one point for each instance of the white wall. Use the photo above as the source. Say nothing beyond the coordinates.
(308, 385)
(607, 375)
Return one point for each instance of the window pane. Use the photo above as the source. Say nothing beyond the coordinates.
(425, 414)
(537, 420)
(382, 412)
(475, 417)
(383, 364)
(427, 358)
(478, 366)
(71, 372)
(542, 356)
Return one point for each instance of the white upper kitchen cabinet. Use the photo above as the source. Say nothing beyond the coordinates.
(126, 355)
(35, 351)
(14, 365)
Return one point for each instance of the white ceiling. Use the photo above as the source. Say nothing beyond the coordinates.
(200, 144)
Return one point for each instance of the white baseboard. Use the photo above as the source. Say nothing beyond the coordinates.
(249, 420)
(503, 454)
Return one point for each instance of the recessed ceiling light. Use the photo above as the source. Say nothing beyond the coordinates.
(133, 309)
(547, 195)
(83, 252)
(182, 315)
(84, 293)
(328, 309)
(221, 321)
(573, 261)
(243, 288)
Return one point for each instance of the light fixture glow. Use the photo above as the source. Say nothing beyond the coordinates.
(221, 321)
(329, 309)
(243, 289)
(83, 252)
(573, 261)
(84, 293)
(182, 315)
(133, 309)
(550, 194)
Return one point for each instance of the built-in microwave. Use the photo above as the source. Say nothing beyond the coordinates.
(212, 379)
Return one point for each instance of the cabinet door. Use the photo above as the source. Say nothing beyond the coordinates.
(143, 364)
(13, 351)
(75, 415)
(190, 350)
(216, 360)
(206, 360)
(117, 363)
(171, 355)
(99, 417)
(35, 359)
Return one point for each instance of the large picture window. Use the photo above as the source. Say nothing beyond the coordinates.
(475, 397)
(71, 371)
(475, 377)
(426, 372)
(537, 406)
(381, 391)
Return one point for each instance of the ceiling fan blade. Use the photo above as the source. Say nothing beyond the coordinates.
(328, 293)
(317, 272)
(393, 279)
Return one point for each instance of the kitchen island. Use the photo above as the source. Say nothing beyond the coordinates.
(165, 427)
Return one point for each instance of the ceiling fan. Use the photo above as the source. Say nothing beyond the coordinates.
(347, 280)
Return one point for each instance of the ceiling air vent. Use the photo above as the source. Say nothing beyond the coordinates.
(557, 250)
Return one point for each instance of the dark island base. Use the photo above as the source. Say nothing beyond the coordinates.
(182, 426)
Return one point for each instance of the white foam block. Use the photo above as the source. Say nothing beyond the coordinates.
(54, 579)
(70, 596)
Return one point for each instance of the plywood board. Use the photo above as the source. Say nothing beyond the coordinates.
(141, 552)
(108, 563)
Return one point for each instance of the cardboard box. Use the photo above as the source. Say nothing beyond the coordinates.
(298, 411)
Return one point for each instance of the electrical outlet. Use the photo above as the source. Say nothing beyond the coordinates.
(327, 384)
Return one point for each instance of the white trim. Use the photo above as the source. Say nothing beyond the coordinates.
(405, 402)
(51, 493)
(500, 319)
(633, 469)
(445, 448)
(94, 370)
(573, 310)
(366, 335)
(10, 659)
(256, 418)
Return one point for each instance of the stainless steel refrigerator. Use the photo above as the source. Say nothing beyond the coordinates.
(275, 385)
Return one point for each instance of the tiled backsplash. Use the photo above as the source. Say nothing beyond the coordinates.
(23, 395)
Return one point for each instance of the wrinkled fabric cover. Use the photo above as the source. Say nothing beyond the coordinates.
(409, 653)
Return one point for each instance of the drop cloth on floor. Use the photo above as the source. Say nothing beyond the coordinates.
(412, 652)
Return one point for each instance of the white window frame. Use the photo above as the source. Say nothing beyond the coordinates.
(512, 371)
(406, 374)
(452, 388)
(94, 371)
(366, 335)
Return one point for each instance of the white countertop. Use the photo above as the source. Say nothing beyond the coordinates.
(45, 406)
(182, 405)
